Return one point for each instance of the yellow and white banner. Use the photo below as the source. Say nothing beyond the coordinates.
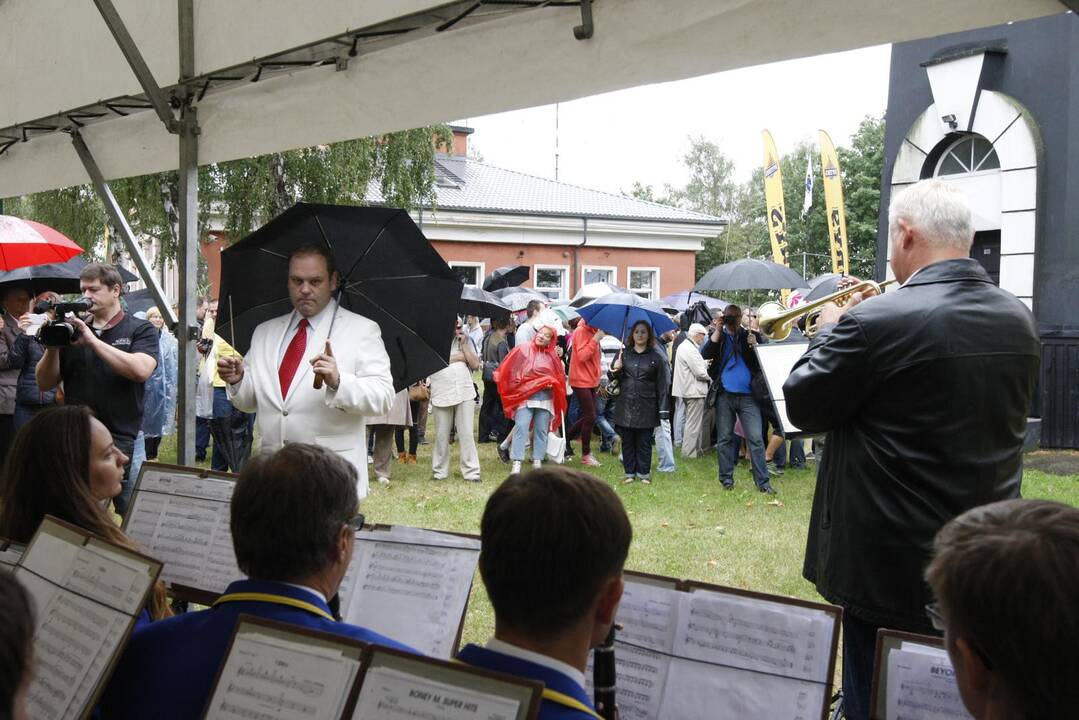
(773, 200)
(833, 201)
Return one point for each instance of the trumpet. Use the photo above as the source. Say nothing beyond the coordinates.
(776, 322)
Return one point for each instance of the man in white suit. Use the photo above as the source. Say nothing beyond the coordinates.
(277, 378)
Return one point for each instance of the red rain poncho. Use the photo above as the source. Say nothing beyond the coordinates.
(529, 369)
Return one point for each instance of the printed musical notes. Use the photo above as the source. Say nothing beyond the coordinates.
(717, 653)
(86, 593)
(271, 676)
(274, 671)
(918, 680)
(411, 585)
(183, 519)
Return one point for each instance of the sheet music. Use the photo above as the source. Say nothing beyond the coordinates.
(269, 678)
(708, 654)
(85, 598)
(921, 685)
(415, 594)
(389, 694)
(10, 553)
(776, 361)
(183, 520)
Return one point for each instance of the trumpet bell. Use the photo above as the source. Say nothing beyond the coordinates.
(774, 321)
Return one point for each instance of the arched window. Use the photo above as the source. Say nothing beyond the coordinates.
(968, 155)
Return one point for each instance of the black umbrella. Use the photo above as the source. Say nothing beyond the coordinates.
(749, 274)
(506, 276)
(823, 285)
(62, 278)
(138, 301)
(388, 271)
(232, 436)
(481, 303)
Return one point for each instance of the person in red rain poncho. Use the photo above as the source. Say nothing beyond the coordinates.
(532, 383)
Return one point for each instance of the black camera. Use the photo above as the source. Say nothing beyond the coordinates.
(60, 332)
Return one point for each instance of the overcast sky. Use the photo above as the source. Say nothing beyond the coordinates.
(608, 141)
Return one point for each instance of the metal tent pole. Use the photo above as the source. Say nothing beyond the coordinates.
(187, 331)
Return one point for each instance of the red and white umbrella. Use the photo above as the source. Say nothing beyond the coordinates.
(25, 242)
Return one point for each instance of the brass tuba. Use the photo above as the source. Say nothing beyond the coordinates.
(775, 321)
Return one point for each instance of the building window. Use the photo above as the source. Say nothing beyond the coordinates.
(470, 273)
(550, 280)
(968, 155)
(644, 282)
(599, 273)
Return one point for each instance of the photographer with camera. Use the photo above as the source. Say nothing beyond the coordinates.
(103, 364)
(735, 364)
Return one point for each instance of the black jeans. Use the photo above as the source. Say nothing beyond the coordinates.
(586, 400)
(859, 650)
(413, 431)
(152, 445)
(493, 419)
(636, 450)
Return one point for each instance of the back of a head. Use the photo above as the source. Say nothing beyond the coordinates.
(551, 538)
(938, 209)
(534, 307)
(16, 631)
(47, 472)
(1005, 575)
(287, 511)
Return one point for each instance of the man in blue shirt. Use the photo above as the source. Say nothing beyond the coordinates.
(730, 348)
(293, 529)
(554, 543)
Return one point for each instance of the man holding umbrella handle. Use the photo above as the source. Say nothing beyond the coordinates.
(271, 380)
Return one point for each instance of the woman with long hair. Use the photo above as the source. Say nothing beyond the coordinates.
(644, 377)
(532, 384)
(63, 463)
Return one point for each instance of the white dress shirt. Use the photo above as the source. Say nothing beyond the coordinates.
(313, 322)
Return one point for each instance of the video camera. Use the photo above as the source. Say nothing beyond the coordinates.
(59, 332)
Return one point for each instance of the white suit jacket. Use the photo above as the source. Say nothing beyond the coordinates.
(332, 419)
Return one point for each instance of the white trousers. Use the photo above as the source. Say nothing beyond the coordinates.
(463, 415)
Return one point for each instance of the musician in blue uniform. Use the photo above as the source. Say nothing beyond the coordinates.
(554, 544)
(293, 523)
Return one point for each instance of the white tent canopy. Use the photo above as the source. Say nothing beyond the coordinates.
(60, 56)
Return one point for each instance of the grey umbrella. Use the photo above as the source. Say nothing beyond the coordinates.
(516, 298)
(481, 303)
(749, 274)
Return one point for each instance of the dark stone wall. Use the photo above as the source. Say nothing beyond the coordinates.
(1041, 72)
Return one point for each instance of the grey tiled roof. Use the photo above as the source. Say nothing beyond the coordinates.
(465, 184)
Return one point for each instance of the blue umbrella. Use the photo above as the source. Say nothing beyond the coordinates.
(617, 312)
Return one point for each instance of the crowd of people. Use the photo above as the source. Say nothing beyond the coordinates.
(909, 529)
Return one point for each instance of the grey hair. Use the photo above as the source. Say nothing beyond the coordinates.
(939, 210)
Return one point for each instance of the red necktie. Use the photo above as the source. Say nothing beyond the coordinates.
(293, 355)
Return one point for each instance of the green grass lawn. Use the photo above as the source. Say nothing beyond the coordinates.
(685, 525)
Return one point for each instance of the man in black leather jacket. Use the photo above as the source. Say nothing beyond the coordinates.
(924, 394)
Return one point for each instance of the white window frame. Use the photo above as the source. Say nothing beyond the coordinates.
(612, 268)
(480, 268)
(563, 291)
(655, 293)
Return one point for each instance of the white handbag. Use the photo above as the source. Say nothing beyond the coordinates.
(556, 444)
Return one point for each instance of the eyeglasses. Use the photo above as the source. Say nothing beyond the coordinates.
(936, 618)
(356, 523)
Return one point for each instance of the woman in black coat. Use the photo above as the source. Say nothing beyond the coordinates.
(644, 378)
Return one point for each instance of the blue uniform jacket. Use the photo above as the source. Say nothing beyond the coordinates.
(550, 709)
(169, 665)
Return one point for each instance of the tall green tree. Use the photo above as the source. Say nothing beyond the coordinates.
(249, 191)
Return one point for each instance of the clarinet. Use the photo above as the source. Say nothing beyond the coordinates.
(604, 677)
